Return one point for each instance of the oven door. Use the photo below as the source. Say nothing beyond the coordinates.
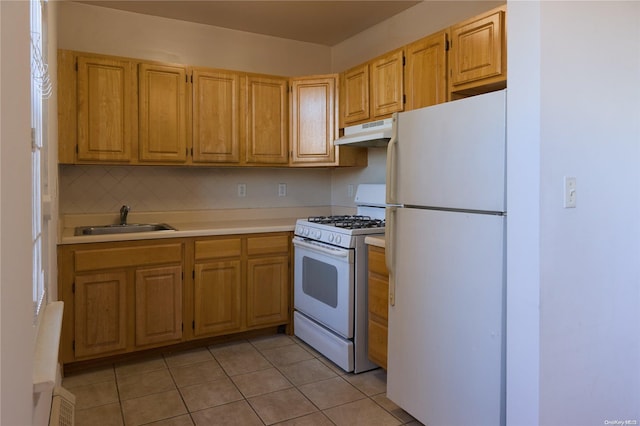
(324, 284)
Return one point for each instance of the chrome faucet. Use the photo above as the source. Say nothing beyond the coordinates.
(124, 211)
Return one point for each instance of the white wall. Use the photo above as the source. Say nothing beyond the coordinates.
(16, 331)
(410, 25)
(586, 98)
(95, 189)
(114, 32)
(98, 189)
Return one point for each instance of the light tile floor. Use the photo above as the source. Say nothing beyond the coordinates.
(264, 381)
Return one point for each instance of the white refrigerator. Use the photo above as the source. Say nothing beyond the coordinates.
(445, 246)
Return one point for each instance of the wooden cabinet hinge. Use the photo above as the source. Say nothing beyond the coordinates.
(193, 324)
(182, 326)
(404, 61)
(73, 345)
(77, 150)
(76, 65)
(193, 274)
(73, 287)
(447, 45)
(404, 98)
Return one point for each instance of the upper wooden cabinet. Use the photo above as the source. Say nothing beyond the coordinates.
(425, 71)
(373, 90)
(266, 111)
(216, 116)
(163, 113)
(105, 110)
(314, 124)
(354, 100)
(478, 55)
(313, 119)
(387, 88)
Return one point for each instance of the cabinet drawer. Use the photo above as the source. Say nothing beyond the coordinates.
(378, 296)
(217, 249)
(378, 342)
(123, 257)
(268, 244)
(377, 262)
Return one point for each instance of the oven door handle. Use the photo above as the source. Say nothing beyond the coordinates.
(320, 249)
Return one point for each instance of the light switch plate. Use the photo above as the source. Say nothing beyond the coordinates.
(570, 193)
(242, 190)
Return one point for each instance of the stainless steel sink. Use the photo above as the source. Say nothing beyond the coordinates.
(123, 229)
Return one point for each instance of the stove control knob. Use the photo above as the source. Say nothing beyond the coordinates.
(338, 239)
(305, 231)
(331, 237)
(299, 230)
(317, 235)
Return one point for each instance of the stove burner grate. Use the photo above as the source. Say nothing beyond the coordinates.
(348, 221)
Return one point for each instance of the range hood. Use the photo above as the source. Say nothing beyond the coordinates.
(373, 134)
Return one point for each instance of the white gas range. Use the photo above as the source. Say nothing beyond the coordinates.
(330, 280)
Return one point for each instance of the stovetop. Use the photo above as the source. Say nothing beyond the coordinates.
(342, 231)
(348, 221)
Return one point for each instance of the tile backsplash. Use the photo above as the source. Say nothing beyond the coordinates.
(102, 189)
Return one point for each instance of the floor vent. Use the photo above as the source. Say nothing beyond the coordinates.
(63, 407)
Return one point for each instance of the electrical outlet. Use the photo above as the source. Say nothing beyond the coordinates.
(282, 190)
(350, 190)
(242, 190)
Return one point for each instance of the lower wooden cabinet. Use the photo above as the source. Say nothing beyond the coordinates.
(378, 286)
(158, 303)
(217, 297)
(268, 284)
(124, 297)
(120, 297)
(241, 283)
(100, 313)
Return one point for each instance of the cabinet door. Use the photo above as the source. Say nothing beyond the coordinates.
(266, 120)
(163, 113)
(425, 73)
(387, 84)
(158, 301)
(217, 297)
(100, 313)
(105, 109)
(478, 51)
(355, 94)
(267, 290)
(378, 296)
(313, 119)
(216, 96)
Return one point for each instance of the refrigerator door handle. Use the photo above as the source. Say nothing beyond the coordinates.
(389, 244)
(391, 162)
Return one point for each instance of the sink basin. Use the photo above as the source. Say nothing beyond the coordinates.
(123, 229)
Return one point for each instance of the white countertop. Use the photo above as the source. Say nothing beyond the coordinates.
(192, 223)
(375, 240)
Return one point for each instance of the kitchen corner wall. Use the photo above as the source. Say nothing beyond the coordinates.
(101, 189)
(102, 30)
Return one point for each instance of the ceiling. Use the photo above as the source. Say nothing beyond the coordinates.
(323, 22)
